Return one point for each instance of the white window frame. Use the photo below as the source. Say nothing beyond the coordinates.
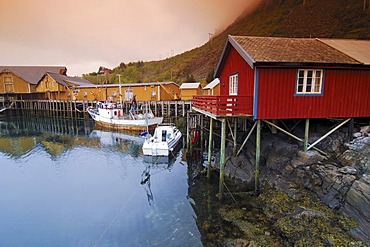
(233, 84)
(309, 82)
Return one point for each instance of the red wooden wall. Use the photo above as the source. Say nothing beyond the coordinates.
(346, 93)
(234, 63)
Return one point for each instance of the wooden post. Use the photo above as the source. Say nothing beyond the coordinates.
(222, 158)
(176, 109)
(201, 132)
(162, 108)
(187, 131)
(235, 131)
(210, 147)
(350, 130)
(306, 131)
(258, 153)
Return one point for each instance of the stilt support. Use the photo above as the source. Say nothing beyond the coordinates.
(327, 134)
(306, 131)
(222, 158)
(258, 153)
(210, 147)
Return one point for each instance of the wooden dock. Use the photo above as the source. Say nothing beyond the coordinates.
(77, 109)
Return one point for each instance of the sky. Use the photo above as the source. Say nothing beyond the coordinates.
(85, 34)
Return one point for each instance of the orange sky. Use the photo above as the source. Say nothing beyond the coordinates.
(86, 34)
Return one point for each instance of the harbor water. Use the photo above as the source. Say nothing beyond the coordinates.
(65, 183)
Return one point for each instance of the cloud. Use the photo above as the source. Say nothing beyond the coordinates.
(83, 35)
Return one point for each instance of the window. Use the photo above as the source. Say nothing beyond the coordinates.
(309, 82)
(8, 84)
(233, 84)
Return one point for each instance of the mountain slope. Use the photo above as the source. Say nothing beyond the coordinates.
(283, 18)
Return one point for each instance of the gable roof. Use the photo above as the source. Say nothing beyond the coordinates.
(32, 74)
(357, 49)
(276, 50)
(212, 84)
(190, 85)
(64, 80)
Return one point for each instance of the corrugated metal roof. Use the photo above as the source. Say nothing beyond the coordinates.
(32, 74)
(63, 79)
(357, 49)
(131, 84)
(289, 50)
(212, 84)
(190, 85)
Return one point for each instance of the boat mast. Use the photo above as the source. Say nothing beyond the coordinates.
(146, 116)
(120, 93)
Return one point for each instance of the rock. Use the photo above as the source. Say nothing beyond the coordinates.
(357, 134)
(348, 170)
(241, 171)
(358, 206)
(365, 130)
(301, 212)
(309, 157)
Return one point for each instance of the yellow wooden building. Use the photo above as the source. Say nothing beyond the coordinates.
(189, 89)
(146, 91)
(212, 88)
(60, 87)
(20, 81)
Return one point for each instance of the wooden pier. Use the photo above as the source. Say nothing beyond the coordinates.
(77, 109)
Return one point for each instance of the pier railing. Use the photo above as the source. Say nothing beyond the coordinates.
(234, 105)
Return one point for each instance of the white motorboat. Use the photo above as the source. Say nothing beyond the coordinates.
(111, 115)
(164, 140)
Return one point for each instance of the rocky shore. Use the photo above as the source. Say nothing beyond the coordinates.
(308, 199)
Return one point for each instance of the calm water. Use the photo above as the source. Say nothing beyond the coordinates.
(62, 183)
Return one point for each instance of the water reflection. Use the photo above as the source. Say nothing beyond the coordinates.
(65, 183)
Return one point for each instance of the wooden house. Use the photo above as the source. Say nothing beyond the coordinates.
(20, 81)
(287, 78)
(189, 89)
(266, 78)
(212, 88)
(60, 87)
(146, 91)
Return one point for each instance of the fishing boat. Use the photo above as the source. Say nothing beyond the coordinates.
(112, 115)
(163, 142)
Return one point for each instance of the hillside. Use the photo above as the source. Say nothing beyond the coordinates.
(283, 18)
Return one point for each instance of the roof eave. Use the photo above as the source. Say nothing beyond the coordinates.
(309, 64)
(238, 48)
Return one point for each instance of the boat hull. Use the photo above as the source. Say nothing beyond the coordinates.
(120, 123)
(152, 147)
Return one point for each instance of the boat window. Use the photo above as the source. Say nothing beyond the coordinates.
(164, 133)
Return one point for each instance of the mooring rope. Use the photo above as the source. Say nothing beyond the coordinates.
(114, 219)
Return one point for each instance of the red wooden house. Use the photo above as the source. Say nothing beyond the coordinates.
(285, 78)
(264, 78)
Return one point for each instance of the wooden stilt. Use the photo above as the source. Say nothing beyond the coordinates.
(222, 158)
(258, 152)
(187, 131)
(306, 131)
(235, 130)
(350, 129)
(210, 147)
